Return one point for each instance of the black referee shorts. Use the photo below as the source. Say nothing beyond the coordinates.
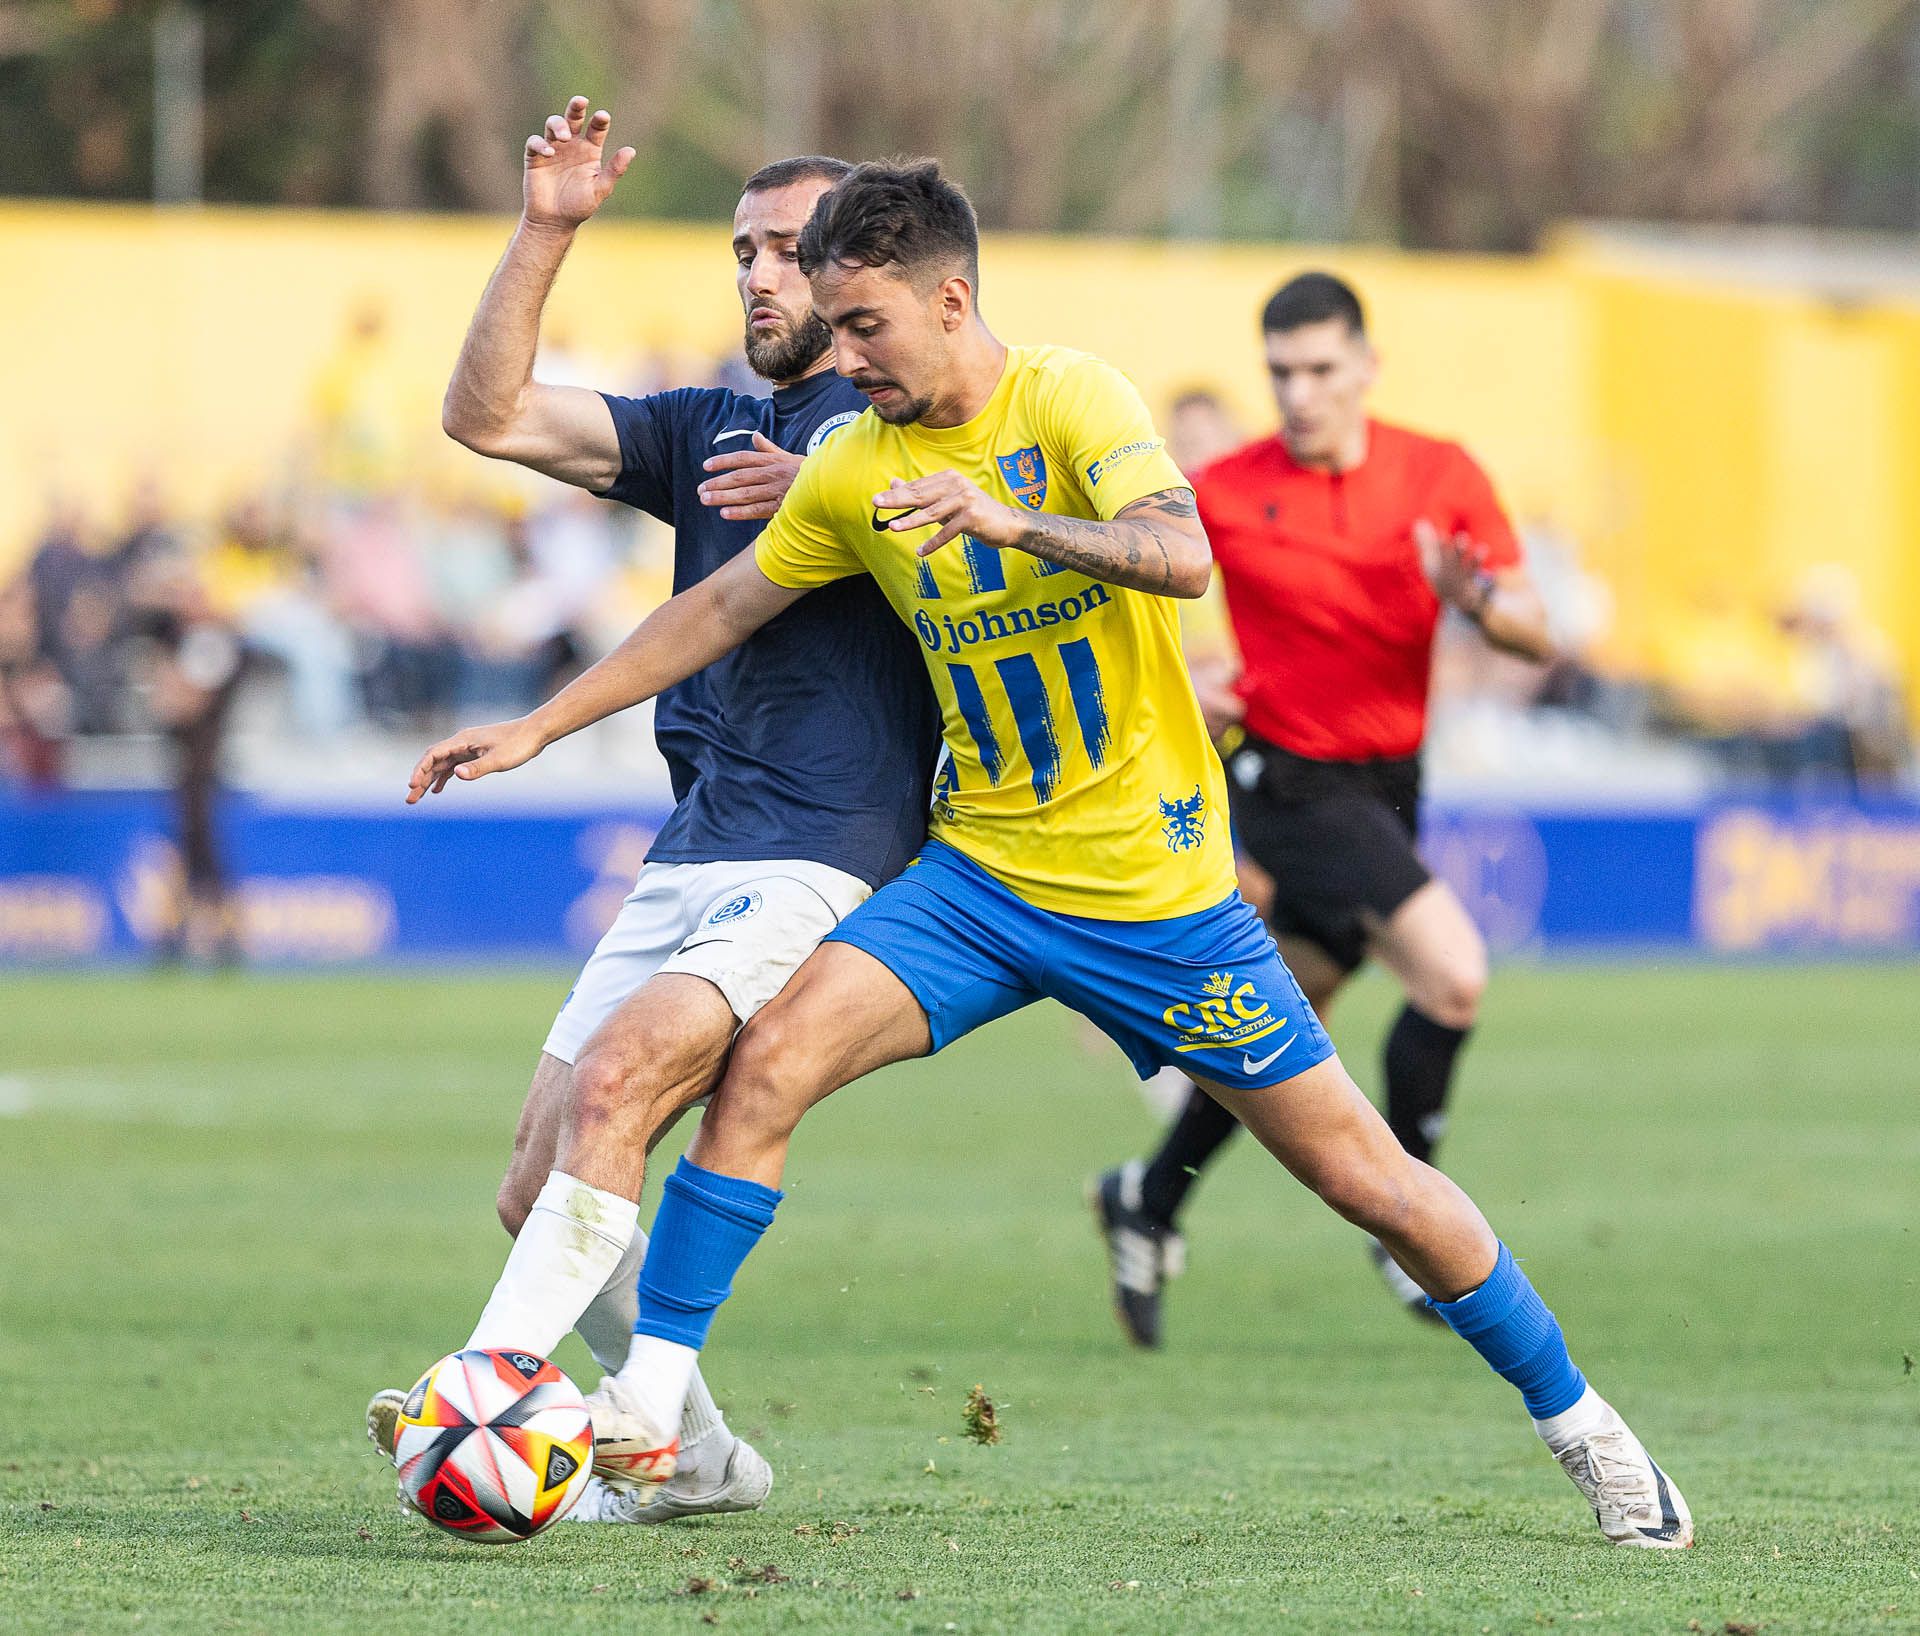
(1338, 838)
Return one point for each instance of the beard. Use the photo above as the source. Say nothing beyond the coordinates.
(905, 412)
(786, 354)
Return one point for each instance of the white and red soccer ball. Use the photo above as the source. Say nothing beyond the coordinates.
(494, 1445)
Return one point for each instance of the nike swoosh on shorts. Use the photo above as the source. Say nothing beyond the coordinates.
(738, 431)
(880, 527)
(1249, 1066)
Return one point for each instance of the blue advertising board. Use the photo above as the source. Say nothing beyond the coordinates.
(97, 876)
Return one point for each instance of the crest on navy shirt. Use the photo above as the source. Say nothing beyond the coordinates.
(829, 426)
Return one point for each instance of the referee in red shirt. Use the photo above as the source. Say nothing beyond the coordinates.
(1338, 541)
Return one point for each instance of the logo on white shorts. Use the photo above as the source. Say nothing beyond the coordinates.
(735, 908)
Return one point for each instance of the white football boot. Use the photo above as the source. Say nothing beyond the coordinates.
(629, 1452)
(1633, 1500)
(719, 1473)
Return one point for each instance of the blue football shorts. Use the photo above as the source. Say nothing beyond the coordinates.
(1206, 993)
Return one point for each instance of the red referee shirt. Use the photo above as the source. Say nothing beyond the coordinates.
(1332, 613)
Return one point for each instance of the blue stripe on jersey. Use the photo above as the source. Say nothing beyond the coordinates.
(1089, 698)
(973, 710)
(1028, 696)
(985, 571)
(1042, 569)
(928, 590)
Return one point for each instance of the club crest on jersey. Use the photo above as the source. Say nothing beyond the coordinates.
(1227, 1012)
(1026, 473)
(1184, 821)
(735, 908)
(829, 426)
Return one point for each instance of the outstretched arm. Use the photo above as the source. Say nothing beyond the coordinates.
(493, 404)
(686, 634)
(1156, 544)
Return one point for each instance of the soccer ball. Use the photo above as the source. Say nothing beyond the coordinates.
(493, 1445)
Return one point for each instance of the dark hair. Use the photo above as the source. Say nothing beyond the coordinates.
(806, 167)
(904, 214)
(1313, 298)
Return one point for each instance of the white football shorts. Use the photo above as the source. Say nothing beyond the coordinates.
(745, 927)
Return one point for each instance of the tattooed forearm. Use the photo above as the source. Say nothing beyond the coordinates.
(1155, 545)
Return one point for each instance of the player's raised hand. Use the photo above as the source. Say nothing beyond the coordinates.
(951, 504)
(749, 484)
(569, 172)
(1454, 565)
(472, 753)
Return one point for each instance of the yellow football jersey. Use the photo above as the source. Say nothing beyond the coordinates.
(1079, 773)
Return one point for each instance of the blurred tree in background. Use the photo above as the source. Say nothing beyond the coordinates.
(1465, 124)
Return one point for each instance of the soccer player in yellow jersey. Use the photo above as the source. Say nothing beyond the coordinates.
(1018, 510)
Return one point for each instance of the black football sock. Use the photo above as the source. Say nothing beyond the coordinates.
(1419, 1058)
(1192, 1140)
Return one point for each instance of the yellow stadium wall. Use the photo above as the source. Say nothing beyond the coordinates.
(1695, 439)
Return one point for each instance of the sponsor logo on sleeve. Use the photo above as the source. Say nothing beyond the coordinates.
(1119, 456)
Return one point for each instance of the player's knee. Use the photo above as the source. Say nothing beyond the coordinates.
(605, 1091)
(1364, 1189)
(769, 1081)
(1451, 997)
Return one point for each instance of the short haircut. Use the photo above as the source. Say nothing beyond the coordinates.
(903, 214)
(807, 167)
(1313, 298)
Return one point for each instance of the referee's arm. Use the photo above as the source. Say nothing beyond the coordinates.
(1503, 603)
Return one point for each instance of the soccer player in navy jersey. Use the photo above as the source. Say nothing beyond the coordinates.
(801, 762)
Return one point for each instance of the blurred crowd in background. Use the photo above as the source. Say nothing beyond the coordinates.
(354, 602)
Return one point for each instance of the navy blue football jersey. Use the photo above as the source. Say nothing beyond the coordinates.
(816, 737)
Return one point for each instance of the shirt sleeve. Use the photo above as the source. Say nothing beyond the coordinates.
(1101, 425)
(647, 428)
(1476, 510)
(800, 548)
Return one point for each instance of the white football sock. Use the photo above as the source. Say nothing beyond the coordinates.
(1590, 1413)
(700, 1415)
(607, 1328)
(607, 1324)
(656, 1378)
(574, 1237)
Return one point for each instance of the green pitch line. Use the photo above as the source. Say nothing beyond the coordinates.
(234, 1206)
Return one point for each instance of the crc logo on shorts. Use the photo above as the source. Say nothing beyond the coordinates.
(735, 908)
(1228, 1013)
(829, 426)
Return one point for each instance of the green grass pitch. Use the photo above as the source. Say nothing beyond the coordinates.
(234, 1206)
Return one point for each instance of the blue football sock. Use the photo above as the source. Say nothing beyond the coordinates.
(1507, 1323)
(706, 1227)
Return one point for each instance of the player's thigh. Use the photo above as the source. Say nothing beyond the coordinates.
(842, 1016)
(1322, 1128)
(1432, 946)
